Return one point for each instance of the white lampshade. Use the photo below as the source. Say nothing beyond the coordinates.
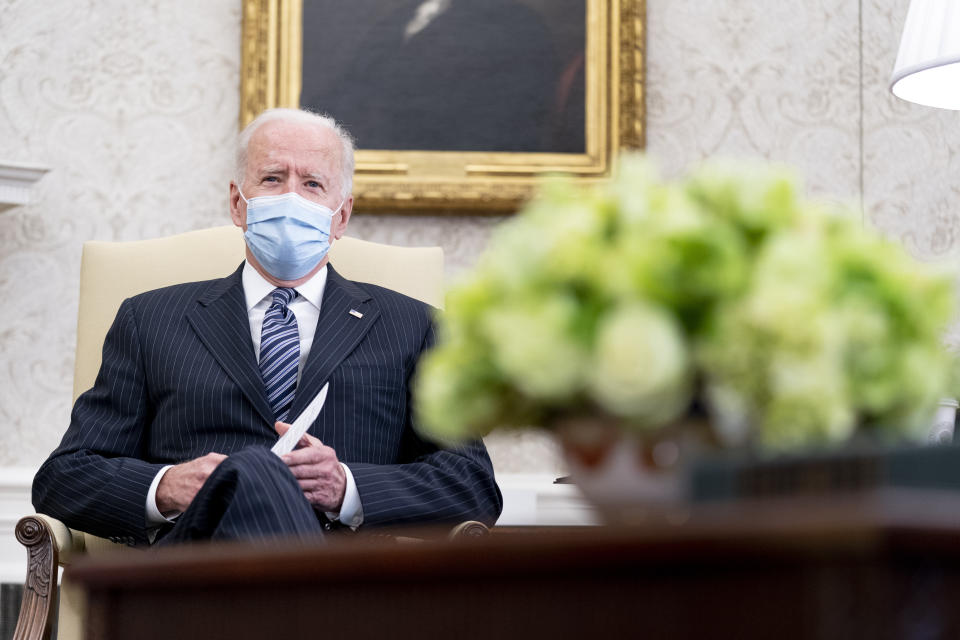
(928, 65)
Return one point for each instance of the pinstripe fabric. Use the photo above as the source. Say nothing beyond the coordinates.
(280, 352)
(249, 496)
(180, 379)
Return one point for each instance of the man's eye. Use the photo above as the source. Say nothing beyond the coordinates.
(270, 179)
(313, 184)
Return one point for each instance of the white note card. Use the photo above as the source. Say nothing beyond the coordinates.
(289, 440)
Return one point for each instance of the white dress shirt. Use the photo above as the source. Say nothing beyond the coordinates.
(306, 308)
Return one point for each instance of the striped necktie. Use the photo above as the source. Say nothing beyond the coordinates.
(280, 352)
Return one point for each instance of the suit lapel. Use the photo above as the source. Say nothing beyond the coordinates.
(222, 324)
(338, 333)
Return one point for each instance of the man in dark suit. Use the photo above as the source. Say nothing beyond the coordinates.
(197, 380)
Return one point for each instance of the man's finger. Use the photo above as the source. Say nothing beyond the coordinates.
(309, 455)
(308, 473)
(306, 441)
(309, 441)
(306, 455)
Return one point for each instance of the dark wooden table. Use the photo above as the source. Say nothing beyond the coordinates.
(885, 565)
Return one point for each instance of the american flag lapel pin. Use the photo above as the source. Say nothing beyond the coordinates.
(355, 313)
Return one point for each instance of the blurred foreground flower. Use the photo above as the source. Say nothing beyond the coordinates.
(644, 300)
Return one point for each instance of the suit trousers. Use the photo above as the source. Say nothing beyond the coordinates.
(251, 495)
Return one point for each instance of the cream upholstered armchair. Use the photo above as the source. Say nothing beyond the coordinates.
(113, 271)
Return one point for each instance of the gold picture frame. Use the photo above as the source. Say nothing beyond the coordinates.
(466, 181)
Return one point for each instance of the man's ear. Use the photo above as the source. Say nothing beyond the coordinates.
(340, 221)
(238, 212)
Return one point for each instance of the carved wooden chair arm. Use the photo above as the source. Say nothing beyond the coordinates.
(50, 543)
(44, 539)
(469, 529)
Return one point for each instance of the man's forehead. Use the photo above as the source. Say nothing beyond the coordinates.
(306, 170)
(276, 141)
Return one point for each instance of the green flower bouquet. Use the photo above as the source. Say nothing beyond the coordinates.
(784, 321)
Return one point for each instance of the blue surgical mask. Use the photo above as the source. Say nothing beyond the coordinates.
(288, 234)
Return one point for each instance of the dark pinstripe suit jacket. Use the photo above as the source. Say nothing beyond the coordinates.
(179, 379)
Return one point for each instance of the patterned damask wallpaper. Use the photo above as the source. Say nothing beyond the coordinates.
(133, 105)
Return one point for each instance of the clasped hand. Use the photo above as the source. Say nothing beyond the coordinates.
(317, 470)
(313, 464)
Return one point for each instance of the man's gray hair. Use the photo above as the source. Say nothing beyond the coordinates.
(301, 116)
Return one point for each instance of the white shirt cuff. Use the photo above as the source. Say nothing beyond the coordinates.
(351, 511)
(154, 517)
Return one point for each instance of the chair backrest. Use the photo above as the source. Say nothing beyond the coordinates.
(113, 271)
